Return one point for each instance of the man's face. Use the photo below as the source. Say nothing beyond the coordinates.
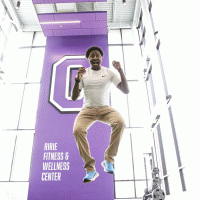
(95, 59)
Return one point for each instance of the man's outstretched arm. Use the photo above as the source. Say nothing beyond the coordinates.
(123, 85)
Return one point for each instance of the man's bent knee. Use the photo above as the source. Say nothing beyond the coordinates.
(119, 123)
(78, 132)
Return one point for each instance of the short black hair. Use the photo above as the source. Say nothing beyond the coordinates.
(92, 49)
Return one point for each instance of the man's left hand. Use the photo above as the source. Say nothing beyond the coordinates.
(116, 65)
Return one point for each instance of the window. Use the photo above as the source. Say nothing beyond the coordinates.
(134, 108)
(159, 99)
(20, 100)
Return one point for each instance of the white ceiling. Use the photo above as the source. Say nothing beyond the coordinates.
(118, 16)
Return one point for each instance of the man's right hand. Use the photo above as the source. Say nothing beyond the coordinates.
(80, 73)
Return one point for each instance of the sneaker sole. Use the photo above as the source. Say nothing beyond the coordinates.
(104, 166)
(90, 180)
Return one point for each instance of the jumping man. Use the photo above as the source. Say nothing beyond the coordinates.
(95, 82)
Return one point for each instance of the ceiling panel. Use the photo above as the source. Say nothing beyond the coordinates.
(66, 7)
(45, 8)
(62, 1)
(118, 16)
(26, 12)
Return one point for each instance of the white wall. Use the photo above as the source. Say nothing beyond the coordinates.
(177, 23)
(22, 64)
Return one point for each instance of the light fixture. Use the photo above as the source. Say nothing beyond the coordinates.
(64, 22)
(124, 2)
(18, 4)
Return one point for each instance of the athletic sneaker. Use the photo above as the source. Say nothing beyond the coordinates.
(90, 176)
(108, 167)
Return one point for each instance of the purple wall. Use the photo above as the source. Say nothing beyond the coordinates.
(89, 23)
(55, 127)
(63, 1)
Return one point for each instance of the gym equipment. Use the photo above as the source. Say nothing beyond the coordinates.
(154, 192)
(158, 194)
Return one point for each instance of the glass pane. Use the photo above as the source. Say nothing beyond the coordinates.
(162, 155)
(149, 94)
(141, 142)
(140, 186)
(2, 41)
(39, 39)
(10, 105)
(1, 10)
(13, 32)
(166, 132)
(157, 82)
(22, 159)
(127, 36)
(25, 39)
(125, 189)
(156, 14)
(178, 120)
(120, 104)
(138, 104)
(36, 65)
(148, 168)
(14, 191)
(6, 25)
(29, 107)
(168, 140)
(115, 53)
(151, 90)
(114, 37)
(7, 143)
(124, 158)
(133, 63)
(16, 68)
